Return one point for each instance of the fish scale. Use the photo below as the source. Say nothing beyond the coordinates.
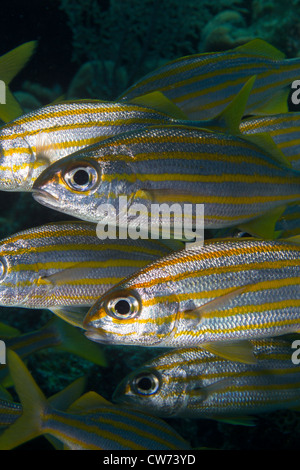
(91, 423)
(284, 130)
(194, 383)
(64, 264)
(236, 180)
(203, 84)
(31, 142)
(224, 292)
(9, 412)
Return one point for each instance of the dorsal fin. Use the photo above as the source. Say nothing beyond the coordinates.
(230, 118)
(157, 100)
(261, 48)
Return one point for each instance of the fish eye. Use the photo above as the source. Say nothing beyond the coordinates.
(3, 269)
(146, 383)
(82, 178)
(123, 307)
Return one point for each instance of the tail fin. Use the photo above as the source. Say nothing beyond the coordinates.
(34, 403)
(10, 65)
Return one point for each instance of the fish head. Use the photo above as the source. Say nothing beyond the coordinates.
(16, 159)
(81, 184)
(132, 314)
(156, 390)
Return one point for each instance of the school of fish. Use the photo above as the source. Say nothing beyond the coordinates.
(209, 129)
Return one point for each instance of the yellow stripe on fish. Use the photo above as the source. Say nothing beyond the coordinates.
(65, 264)
(217, 295)
(31, 142)
(194, 383)
(284, 130)
(202, 85)
(10, 411)
(174, 164)
(90, 423)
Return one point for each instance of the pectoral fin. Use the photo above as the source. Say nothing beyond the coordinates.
(45, 150)
(220, 301)
(71, 314)
(239, 351)
(75, 272)
(236, 420)
(295, 239)
(216, 387)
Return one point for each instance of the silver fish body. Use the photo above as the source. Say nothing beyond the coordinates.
(226, 291)
(194, 383)
(30, 143)
(9, 413)
(284, 130)
(94, 424)
(236, 180)
(64, 264)
(203, 84)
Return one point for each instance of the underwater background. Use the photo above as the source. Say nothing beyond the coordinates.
(96, 49)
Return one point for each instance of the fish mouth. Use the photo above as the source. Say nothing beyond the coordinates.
(123, 401)
(98, 335)
(45, 198)
(119, 396)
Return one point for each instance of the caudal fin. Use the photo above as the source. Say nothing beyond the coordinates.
(34, 403)
(10, 65)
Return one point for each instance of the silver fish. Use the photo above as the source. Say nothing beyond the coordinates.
(194, 383)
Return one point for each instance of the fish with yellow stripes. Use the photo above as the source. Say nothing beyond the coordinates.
(10, 410)
(62, 265)
(9, 413)
(91, 423)
(217, 297)
(238, 178)
(34, 140)
(194, 383)
(201, 85)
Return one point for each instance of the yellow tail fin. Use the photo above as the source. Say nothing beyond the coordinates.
(10, 65)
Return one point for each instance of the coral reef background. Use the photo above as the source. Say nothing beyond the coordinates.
(97, 48)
